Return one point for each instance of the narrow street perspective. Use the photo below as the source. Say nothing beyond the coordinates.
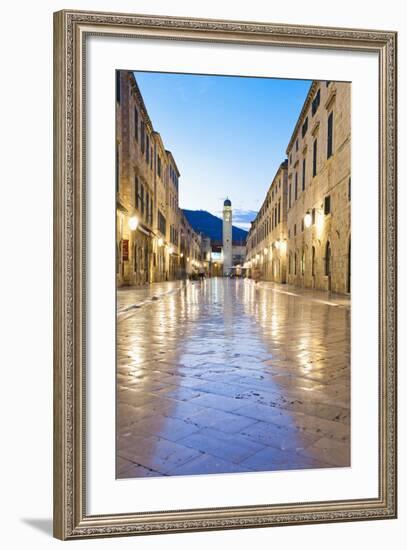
(233, 310)
(228, 376)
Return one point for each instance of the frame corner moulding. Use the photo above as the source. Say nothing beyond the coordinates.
(71, 29)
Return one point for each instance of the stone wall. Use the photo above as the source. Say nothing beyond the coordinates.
(146, 185)
(318, 253)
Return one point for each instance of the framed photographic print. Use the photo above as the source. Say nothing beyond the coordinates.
(225, 274)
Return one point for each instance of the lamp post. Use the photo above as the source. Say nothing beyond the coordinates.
(133, 223)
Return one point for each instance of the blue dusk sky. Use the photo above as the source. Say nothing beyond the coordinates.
(228, 135)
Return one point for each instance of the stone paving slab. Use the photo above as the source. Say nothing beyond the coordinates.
(225, 376)
(233, 448)
(208, 464)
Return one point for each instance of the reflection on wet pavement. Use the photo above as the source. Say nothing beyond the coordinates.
(228, 376)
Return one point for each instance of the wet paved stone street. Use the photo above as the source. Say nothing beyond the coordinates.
(228, 376)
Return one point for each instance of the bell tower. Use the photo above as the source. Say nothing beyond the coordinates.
(227, 236)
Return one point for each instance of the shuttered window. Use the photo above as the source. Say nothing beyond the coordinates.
(314, 158)
(330, 136)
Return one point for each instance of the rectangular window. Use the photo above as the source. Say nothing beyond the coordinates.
(296, 186)
(147, 149)
(313, 216)
(142, 199)
(302, 225)
(135, 123)
(304, 127)
(147, 206)
(303, 174)
(316, 102)
(159, 166)
(349, 190)
(295, 230)
(296, 144)
(314, 158)
(327, 205)
(330, 136)
(289, 196)
(279, 211)
(142, 136)
(161, 223)
(136, 193)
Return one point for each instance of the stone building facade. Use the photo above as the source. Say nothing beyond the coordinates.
(148, 218)
(191, 249)
(319, 182)
(266, 248)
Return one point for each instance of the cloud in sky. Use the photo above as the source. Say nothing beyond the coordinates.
(244, 216)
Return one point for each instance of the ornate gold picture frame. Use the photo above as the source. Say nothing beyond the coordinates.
(71, 31)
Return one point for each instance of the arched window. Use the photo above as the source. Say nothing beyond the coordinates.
(313, 261)
(328, 256)
(135, 258)
(117, 258)
(276, 268)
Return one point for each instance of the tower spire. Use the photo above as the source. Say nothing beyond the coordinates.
(227, 236)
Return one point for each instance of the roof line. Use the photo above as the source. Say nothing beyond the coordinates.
(304, 109)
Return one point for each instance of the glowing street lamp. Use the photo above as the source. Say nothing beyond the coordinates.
(160, 242)
(277, 245)
(265, 251)
(307, 219)
(170, 250)
(133, 223)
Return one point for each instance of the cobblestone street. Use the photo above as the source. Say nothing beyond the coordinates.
(228, 376)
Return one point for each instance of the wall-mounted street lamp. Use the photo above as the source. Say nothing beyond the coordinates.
(277, 245)
(181, 255)
(265, 251)
(133, 223)
(307, 219)
(170, 250)
(160, 242)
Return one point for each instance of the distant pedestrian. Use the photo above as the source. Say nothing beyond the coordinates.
(256, 274)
